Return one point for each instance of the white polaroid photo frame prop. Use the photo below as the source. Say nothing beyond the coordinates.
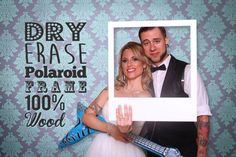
(155, 109)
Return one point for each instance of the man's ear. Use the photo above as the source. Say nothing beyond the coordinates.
(167, 41)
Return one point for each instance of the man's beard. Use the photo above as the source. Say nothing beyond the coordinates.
(161, 59)
(163, 56)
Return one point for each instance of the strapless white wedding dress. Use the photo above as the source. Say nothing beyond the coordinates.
(104, 145)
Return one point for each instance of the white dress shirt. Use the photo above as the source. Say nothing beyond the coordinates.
(202, 97)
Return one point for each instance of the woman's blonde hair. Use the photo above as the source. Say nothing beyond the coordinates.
(138, 52)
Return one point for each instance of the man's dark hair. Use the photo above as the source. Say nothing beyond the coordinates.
(144, 29)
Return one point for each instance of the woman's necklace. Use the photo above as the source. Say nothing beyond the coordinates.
(132, 92)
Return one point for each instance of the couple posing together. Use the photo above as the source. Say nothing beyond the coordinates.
(147, 70)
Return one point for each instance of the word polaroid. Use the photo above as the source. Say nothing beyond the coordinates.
(153, 108)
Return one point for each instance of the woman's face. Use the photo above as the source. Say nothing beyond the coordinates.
(132, 67)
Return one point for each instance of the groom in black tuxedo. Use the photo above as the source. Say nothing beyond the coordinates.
(171, 78)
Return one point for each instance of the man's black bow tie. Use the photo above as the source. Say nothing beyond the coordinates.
(162, 67)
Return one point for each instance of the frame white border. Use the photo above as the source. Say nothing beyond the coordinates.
(155, 109)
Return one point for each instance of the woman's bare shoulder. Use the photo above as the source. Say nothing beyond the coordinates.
(102, 97)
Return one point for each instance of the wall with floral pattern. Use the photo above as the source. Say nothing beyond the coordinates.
(216, 43)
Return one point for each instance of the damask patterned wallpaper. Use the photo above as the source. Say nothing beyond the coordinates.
(216, 25)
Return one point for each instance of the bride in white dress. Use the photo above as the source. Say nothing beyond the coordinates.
(133, 80)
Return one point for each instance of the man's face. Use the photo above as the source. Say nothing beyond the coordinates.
(154, 45)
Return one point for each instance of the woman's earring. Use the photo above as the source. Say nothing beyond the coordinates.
(124, 78)
(144, 68)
